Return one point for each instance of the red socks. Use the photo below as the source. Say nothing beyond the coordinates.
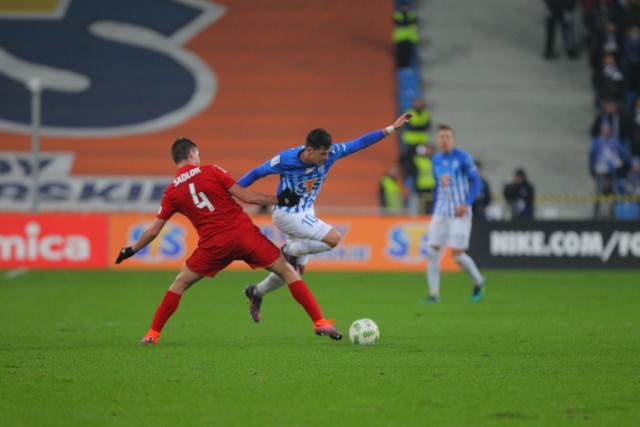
(166, 308)
(298, 289)
(305, 298)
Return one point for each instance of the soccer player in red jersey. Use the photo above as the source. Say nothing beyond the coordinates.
(226, 233)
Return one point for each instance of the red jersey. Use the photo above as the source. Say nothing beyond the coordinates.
(200, 193)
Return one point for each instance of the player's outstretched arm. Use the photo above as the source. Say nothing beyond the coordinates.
(285, 198)
(371, 138)
(147, 236)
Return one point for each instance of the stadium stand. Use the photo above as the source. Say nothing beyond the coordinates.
(614, 53)
(484, 75)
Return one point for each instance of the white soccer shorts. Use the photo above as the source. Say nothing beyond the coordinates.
(300, 225)
(454, 232)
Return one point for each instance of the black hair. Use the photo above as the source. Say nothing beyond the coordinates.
(181, 148)
(444, 127)
(520, 172)
(319, 138)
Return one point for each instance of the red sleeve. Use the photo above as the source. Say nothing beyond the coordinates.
(224, 177)
(167, 209)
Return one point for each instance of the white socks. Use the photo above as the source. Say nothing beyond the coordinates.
(469, 266)
(433, 272)
(270, 284)
(299, 247)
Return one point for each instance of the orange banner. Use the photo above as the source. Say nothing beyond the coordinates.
(169, 250)
(369, 243)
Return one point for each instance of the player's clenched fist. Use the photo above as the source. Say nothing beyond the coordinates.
(124, 254)
(288, 198)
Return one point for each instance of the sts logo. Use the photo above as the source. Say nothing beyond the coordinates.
(108, 68)
(168, 246)
(309, 186)
(408, 242)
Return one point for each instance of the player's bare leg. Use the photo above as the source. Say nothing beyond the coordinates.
(469, 266)
(255, 293)
(294, 250)
(274, 282)
(170, 302)
(304, 297)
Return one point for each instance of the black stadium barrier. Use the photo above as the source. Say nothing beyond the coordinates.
(556, 244)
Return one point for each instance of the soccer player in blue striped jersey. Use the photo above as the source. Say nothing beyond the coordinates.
(457, 186)
(304, 169)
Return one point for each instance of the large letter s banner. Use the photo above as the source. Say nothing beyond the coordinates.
(109, 68)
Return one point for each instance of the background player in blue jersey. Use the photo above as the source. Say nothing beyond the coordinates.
(303, 169)
(457, 186)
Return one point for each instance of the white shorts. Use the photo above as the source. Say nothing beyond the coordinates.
(300, 225)
(454, 232)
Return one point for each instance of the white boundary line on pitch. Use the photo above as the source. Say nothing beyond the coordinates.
(16, 272)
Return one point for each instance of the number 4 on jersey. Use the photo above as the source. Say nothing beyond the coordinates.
(203, 202)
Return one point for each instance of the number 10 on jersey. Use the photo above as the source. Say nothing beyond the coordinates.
(203, 201)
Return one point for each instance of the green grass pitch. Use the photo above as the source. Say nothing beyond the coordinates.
(542, 349)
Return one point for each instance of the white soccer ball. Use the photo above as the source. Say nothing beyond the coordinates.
(364, 332)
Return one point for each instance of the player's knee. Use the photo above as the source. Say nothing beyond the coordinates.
(178, 287)
(290, 275)
(434, 255)
(302, 268)
(457, 255)
(332, 238)
(184, 280)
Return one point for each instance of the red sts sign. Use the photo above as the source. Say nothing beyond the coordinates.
(53, 241)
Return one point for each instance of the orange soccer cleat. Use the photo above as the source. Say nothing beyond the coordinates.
(151, 337)
(325, 327)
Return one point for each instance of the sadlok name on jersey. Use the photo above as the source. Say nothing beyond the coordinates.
(185, 176)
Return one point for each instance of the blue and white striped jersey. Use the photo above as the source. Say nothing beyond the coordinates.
(457, 182)
(305, 179)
